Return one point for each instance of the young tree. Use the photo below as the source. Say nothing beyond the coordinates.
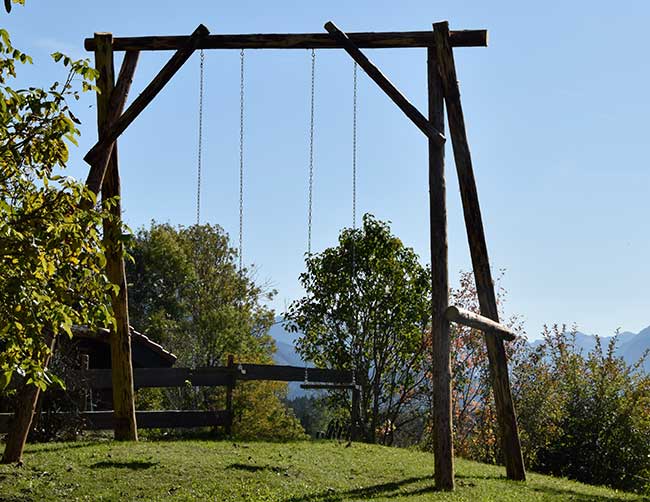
(366, 309)
(187, 293)
(51, 255)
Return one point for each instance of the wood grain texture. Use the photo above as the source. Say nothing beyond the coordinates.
(386, 85)
(476, 321)
(443, 448)
(146, 97)
(364, 40)
(120, 339)
(506, 415)
(116, 105)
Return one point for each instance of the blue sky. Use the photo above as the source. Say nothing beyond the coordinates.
(556, 110)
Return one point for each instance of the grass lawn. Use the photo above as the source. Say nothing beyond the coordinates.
(291, 472)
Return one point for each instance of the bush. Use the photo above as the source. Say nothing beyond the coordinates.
(586, 417)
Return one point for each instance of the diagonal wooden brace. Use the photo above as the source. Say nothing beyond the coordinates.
(116, 106)
(506, 415)
(98, 151)
(386, 85)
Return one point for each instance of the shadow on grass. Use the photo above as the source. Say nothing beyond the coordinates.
(392, 489)
(134, 465)
(402, 489)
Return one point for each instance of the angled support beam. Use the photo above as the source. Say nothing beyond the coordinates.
(506, 415)
(115, 107)
(476, 321)
(147, 96)
(386, 85)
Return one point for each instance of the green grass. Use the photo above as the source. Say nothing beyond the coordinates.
(261, 471)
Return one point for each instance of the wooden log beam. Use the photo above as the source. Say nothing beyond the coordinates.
(443, 447)
(328, 386)
(363, 40)
(507, 418)
(161, 377)
(386, 85)
(291, 373)
(147, 96)
(120, 338)
(115, 108)
(476, 321)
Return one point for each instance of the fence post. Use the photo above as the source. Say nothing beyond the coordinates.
(229, 389)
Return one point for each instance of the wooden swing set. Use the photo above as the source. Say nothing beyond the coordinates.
(113, 119)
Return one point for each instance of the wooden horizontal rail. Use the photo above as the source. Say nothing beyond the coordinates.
(364, 40)
(330, 386)
(219, 376)
(291, 374)
(103, 420)
(163, 377)
(472, 320)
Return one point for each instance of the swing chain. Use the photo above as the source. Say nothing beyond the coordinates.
(241, 159)
(311, 149)
(354, 148)
(200, 145)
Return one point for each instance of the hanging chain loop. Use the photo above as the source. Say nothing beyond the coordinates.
(200, 145)
(311, 150)
(354, 147)
(241, 160)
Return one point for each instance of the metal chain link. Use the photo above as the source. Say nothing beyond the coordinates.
(311, 151)
(241, 160)
(354, 148)
(200, 145)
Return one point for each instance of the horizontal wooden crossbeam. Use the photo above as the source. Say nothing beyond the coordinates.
(476, 321)
(363, 40)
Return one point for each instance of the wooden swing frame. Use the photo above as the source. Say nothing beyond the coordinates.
(443, 89)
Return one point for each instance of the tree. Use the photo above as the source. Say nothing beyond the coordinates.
(51, 255)
(366, 308)
(187, 293)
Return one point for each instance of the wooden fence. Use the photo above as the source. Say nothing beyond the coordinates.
(220, 376)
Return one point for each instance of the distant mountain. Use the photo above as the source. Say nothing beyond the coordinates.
(630, 346)
(286, 354)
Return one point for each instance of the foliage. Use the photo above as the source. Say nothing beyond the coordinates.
(187, 294)
(366, 308)
(51, 255)
(584, 416)
(309, 471)
(313, 412)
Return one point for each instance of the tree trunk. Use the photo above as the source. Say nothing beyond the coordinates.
(24, 414)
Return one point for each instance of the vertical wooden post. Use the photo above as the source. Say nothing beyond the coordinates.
(440, 343)
(125, 427)
(354, 414)
(229, 391)
(21, 422)
(478, 248)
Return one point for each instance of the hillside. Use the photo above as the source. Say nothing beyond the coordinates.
(292, 472)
